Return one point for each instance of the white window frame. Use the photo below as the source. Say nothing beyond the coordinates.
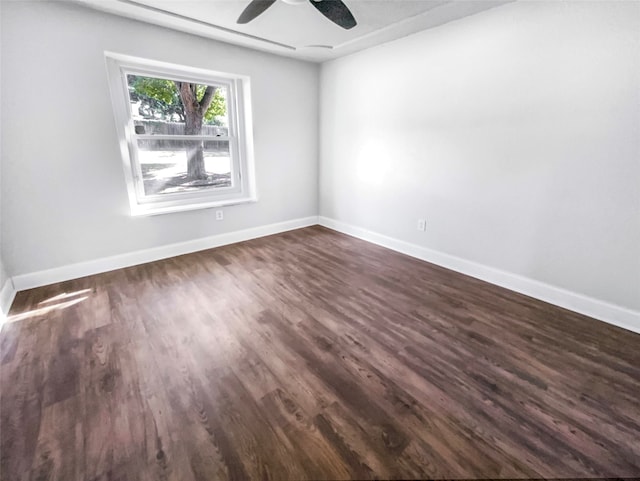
(240, 136)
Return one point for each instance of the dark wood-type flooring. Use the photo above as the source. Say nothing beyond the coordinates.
(310, 355)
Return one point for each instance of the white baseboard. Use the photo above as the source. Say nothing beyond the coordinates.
(7, 294)
(603, 311)
(105, 264)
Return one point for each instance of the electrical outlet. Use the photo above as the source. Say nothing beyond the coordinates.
(219, 215)
(422, 225)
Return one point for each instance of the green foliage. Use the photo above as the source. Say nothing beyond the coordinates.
(160, 100)
(217, 108)
(162, 90)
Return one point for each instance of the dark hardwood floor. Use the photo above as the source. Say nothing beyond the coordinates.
(310, 355)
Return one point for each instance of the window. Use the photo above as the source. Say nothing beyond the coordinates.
(185, 135)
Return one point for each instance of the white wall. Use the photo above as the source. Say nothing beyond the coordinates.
(514, 132)
(3, 273)
(3, 281)
(6, 293)
(64, 198)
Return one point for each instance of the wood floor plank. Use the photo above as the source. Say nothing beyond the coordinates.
(309, 355)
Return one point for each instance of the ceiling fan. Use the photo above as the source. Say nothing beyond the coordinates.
(334, 10)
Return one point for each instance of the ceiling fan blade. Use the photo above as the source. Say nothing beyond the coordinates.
(336, 11)
(255, 8)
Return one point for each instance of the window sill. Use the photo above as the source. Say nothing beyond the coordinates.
(144, 210)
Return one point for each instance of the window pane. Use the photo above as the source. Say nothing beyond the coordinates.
(162, 106)
(170, 166)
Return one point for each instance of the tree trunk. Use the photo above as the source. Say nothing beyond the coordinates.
(194, 112)
(195, 150)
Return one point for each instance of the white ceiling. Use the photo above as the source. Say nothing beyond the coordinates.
(297, 30)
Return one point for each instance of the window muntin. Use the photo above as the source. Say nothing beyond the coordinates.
(162, 144)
